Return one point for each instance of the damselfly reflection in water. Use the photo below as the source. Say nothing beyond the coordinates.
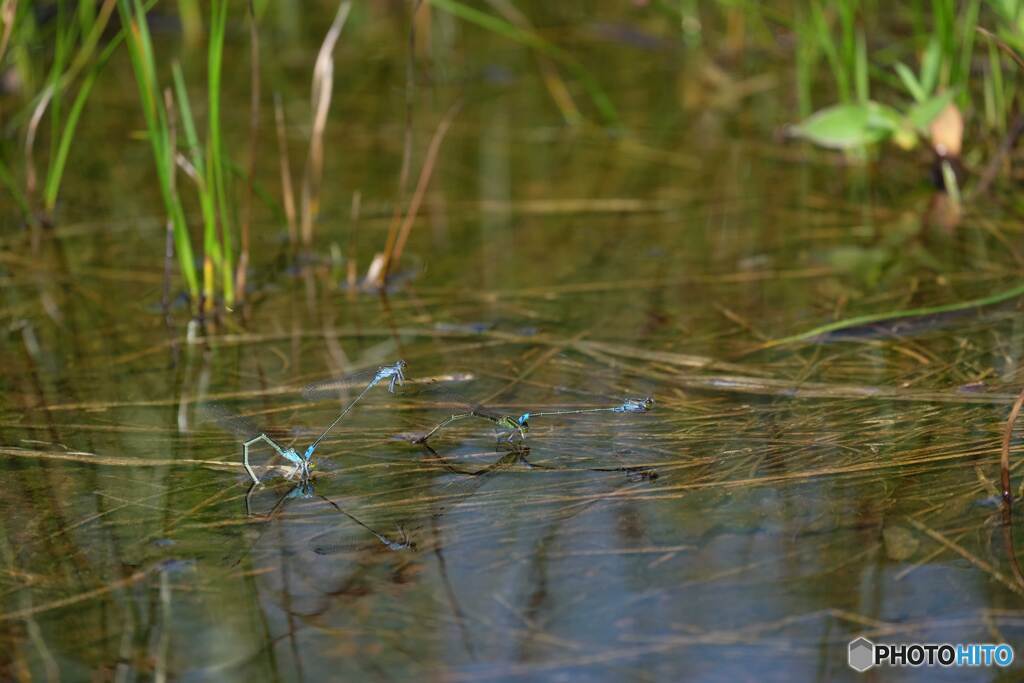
(301, 463)
(315, 558)
(518, 454)
(510, 428)
(305, 490)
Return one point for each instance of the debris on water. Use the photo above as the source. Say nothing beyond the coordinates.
(464, 328)
(988, 502)
(900, 543)
(641, 473)
(177, 567)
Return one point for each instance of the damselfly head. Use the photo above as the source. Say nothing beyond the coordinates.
(395, 372)
(306, 468)
(636, 405)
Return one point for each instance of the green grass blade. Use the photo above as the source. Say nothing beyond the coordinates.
(861, 69)
(140, 52)
(56, 170)
(187, 122)
(871, 318)
(910, 82)
(215, 148)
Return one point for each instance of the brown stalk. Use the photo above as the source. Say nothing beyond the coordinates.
(254, 129)
(172, 128)
(7, 13)
(352, 274)
(403, 174)
(1004, 463)
(426, 172)
(287, 191)
(30, 141)
(323, 82)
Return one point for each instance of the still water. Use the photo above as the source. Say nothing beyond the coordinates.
(773, 505)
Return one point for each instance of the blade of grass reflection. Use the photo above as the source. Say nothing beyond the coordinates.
(111, 461)
(131, 503)
(930, 557)
(262, 392)
(610, 348)
(172, 523)
(78, 598)
(967, 555)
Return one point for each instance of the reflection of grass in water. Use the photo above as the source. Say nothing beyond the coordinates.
(815, 484)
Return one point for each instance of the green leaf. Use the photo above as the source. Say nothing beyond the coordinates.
(922, 114)
(883, 117)
(849, 126)
(930, 64)
(910, 82)
(861, 68)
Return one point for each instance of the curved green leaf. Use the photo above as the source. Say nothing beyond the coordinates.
(849, 126)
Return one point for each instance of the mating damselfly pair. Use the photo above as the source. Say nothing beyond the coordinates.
(508, 428)
(301, 463)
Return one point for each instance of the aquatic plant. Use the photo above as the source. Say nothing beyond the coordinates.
(140, 49)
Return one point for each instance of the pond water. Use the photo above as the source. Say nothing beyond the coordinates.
(773, 505)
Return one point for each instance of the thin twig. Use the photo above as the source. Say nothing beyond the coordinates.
(1009, 141)
(426, 172)
(1004, 463)
(352, 274)
(172, 133)
(287, 191)
(403, 174)
(75, 599)
(30, 140)
(1001, 44)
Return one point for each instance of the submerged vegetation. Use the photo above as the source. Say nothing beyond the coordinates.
(793, 224)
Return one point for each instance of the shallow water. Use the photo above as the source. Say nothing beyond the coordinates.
(806, 494)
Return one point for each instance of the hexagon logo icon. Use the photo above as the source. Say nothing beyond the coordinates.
(861, 655)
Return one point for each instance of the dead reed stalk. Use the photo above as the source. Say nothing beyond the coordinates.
(323, 83)
(287, 191)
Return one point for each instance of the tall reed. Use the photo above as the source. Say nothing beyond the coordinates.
(140, 49)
